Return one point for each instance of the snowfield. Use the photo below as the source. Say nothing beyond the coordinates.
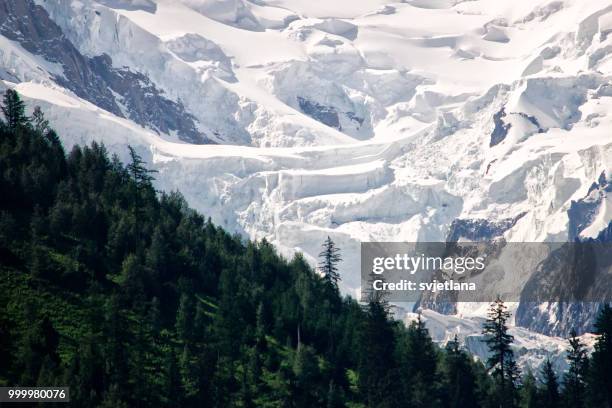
(360, 120)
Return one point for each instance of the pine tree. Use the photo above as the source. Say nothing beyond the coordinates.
(459, 378)
(188, 369)
(600, 376)
(137, 169)
(246, 396)
(329, 259)
(14, 110)
(529, 392)
(550, 387)
(112, 398)
(377, 365)
(514, 382)
(370, 294)
(41, 342)
(334, 398)
(131, 279)
(306, 373)
(185, 318)
(420, 364)
(501, 359)
(574, 380)
(116, 338)
(89, 373)
(171, 380)
(41, 125)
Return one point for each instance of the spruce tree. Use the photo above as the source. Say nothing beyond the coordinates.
(14, 110)
(306, 374)
(115, 333)
(550, 387)
(137, 169)
(600, 377)
(185, 316)
(40, 124)
(377, 363)
(131, 280)
(529, 392)
(171, 379)
(188, 369)
(420, 364)
(514, 382)
(329, 259)
(501, 360)
(574, 380)
(459, 377)
(40, 341)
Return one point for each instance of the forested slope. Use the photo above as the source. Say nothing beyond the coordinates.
(131, 298)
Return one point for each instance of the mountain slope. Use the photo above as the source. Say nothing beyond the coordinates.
(378, 121)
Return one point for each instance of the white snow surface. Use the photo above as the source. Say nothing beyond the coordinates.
(424, 79)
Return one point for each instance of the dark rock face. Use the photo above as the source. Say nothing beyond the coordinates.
(328, 115)
(145, 103)
(352, 116)
(30, 26)
(581, 212)
(559, 318)
(534, 121)
(475, 230)
(500, 131)
(94, 79)
(579, 278)
(479, 229)
(324, 114)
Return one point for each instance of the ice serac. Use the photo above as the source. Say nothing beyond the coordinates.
(234, 12)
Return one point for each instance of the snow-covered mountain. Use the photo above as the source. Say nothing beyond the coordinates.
(367, 120)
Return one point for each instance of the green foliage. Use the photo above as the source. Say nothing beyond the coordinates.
(138, 170)
(574, 380)
(529, 392)
(550, 386)
(501, 357)
(600, 373)
(39, 123)
(459, 377)
(14, 110)
(420, 361)
(328, 264)
(378, 365)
